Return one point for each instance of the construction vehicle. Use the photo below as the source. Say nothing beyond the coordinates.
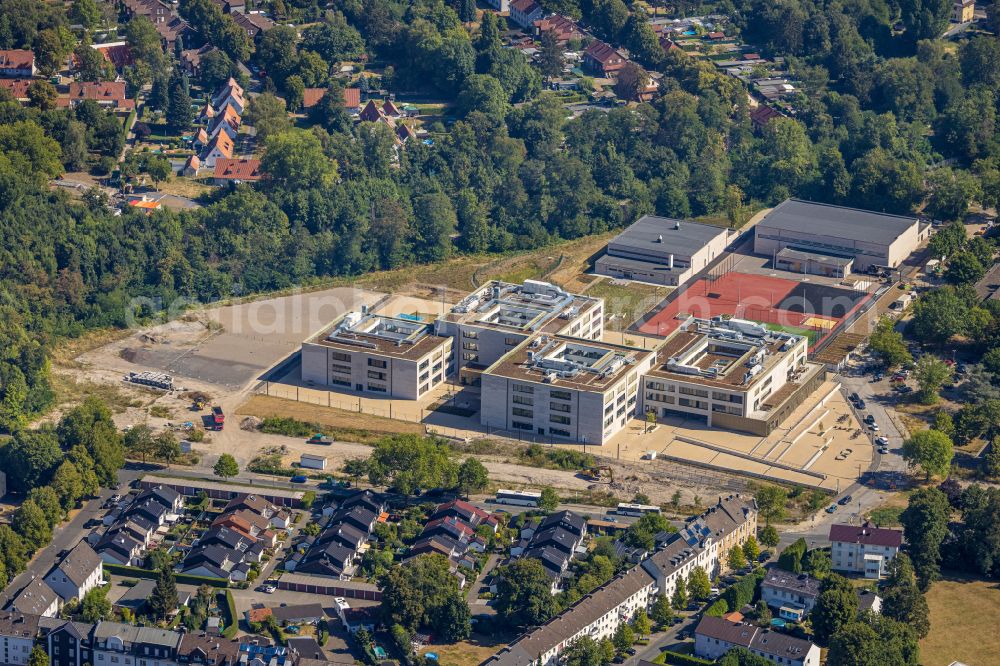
(598, 472)
(218, 417)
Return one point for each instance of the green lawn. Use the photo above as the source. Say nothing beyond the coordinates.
(963, 623)
(811, 334)
(629, 301)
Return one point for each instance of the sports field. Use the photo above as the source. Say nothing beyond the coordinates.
(795, 306)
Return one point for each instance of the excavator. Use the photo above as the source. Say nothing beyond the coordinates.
(598, 473)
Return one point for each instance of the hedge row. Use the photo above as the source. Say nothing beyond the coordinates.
(232, 621)
(680, 659)
(139, 572)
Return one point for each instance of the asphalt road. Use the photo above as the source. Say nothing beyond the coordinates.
(66, 536)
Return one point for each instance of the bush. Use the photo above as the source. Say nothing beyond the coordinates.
(139, 572)
(717, 609)
(537, 455)
(743, 591)
(281, 425)
(308, 498)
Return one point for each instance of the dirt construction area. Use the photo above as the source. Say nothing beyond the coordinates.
(228, 347)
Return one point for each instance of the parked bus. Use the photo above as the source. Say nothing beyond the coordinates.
(518, 497)
(636, 509)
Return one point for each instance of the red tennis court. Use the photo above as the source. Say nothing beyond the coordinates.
(792, 304)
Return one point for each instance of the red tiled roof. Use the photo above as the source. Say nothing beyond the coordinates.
(866, 534)
(119, 55)
(16, 59)
(312, 96)
(106, 90)
(524, 6)
(602, 52)
(764, 114)
(390, 109)
(245, 169)
(17, 87)
(223, 143)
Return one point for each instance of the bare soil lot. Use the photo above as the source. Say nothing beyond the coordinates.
(229, 346)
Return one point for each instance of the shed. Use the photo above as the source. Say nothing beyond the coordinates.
(312, 461)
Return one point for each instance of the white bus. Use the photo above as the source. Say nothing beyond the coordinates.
(636, 509)
(518, 497)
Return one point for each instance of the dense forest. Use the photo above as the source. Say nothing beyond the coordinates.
(894, 119)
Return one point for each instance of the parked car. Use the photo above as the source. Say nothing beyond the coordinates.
(832, 508)
(854, 397)
(869, 418)
(882, 441)
(845, 500)
(860, 404)
(883, 450)
(873, 427)
(269, 589)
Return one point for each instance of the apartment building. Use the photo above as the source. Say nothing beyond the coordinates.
(392, 357)
(599, 614)
(76, 574)
(564, 388)
(792, 595)
(499, 316)
(715, 636)
(864, 549)
(17, 637)
(730, 373)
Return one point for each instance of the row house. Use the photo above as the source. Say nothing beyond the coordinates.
(168, 24)
(599, 614)
(348, 527)
(79, 572)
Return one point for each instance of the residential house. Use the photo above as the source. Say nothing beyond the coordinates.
(207, 115)
(525, 12)
(18, 88)
(168, 24)
(715, 636)
(499, 5)
(254, 23)
(352, 98)
(216, 561)
(190, 59)
(354, 619)
(305, 647)
(192, 165)
(69, 644)
(279, 518)
(299, 613)
(237, 171)
(791, 595)
(600, 613)
(107, 94)
(864, 549)
(17, 637)
(231, 6)
(37, 598)
(17, 63)
(764, 114)
(203, 649)
(466, 512)
(80, 571)
(232, 94)
(117, 643)
(221, 147)
(118, 546)
(371, 113)
(562, 28)
(227, 120)
(119, 54)
(603, 59)
(963, 11)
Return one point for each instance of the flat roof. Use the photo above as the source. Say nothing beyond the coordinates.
(795, 215)
(363, 332)
(711, 353)
(533, 306)
(802, 255)
(652, 234)
(205, 484)
(568, 362)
